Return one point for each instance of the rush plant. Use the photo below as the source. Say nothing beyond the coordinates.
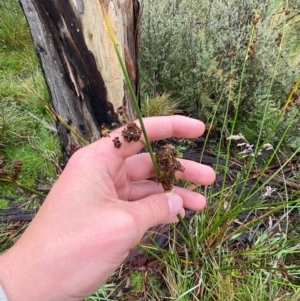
(164, 161)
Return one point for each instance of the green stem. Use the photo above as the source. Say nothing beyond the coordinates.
(18, 184)
(137, 110)
(191, 241)
(131, 91)
(140, 118)
(146, 249)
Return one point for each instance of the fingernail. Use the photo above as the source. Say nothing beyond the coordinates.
(175, 203)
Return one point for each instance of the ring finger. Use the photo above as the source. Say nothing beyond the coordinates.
(191, 200)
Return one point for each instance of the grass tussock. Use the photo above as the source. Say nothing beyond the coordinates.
(161, 105)
(14, 31)
(27, 128)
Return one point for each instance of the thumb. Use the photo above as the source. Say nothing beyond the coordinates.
(158, 209)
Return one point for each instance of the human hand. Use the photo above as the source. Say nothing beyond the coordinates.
(97, 211)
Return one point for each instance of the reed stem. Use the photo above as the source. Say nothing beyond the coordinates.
(140, 118)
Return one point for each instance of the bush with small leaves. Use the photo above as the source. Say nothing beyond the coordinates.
(223, 57)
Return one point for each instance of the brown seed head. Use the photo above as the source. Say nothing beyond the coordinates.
(295, 95)
(178, 166)
(117, 142)
(255, 20)
(4, 173)
(131, 133)
(168, 165)
(166, 182)
(104, 131)
(121, 110)
(230, 76)
(2, 162)
(16, 168)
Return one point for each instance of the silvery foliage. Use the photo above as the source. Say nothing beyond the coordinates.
(247, 148)
(196, 50)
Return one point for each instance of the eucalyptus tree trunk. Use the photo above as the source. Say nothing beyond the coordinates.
(80, 65)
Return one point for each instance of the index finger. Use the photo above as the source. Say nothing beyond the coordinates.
(157, 128)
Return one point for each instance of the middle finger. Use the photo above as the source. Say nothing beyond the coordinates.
(140, 167)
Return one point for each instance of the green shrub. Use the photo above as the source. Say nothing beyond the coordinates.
(220, 57)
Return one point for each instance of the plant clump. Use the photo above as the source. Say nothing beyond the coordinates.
(159, 105)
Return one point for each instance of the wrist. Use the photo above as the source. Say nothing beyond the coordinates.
(18, 277)
(9, 275)
(2, 295)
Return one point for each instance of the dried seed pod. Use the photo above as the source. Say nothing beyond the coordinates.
(2, 162)
(278, 39)
(250, 52)
(104, 131)
(255, 20)
(117, 142)
(168, 165)
(178, 166)
(4, 173)
(230, 76)
(166, 182)
(16, 168)
(121, 110)
(132, 133)
(295, 95)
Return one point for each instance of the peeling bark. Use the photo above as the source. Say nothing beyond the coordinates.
(79, 63)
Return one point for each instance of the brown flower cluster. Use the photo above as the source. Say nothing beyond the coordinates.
(3, 172)
(104, 131)
(295, 97)
(2, 162)
(121, 110)
(132, 133)
(117, 142)
(168, 165)
(16, 169)
(123, 117)
(252, 48)
(278, 39)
